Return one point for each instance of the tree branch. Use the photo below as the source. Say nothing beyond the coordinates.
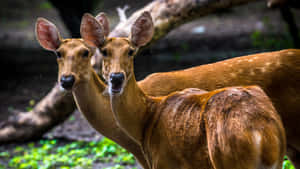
(122, 13)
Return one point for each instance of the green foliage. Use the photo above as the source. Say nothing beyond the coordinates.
(263, 41)
(72, 118)
(45, 5)
(48, 154)
(177, 56)
(184, 48)
(4, 154)
(287, 164)
(270, 42)
(2, 166)
(23, 24)
(10, 108)
(30, 105)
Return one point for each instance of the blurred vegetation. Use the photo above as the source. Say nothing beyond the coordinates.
(261, 40)
(45, 5)
(50, 154)
(287, 164)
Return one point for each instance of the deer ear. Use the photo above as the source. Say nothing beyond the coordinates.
(102, 18)
(91, 31)
(142, 30)
(47, 34)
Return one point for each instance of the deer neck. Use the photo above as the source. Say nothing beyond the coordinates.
(130, 110)
(93, 104)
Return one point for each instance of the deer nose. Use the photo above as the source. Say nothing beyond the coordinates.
(116, 79)
(67, 81)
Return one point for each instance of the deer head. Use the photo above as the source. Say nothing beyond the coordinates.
(74, 57)
(118, 52)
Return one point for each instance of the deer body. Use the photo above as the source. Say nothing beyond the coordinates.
(226, 128)
(277, 73)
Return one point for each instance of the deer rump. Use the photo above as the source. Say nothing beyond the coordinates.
(228, 128)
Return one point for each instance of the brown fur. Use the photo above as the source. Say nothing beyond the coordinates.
(277, 73)
(227, 128)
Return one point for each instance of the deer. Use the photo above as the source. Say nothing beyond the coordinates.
(96, 111)
(234, 127)
(279, 82)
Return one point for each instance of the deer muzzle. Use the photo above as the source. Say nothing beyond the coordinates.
(67, 81)
(116, 81)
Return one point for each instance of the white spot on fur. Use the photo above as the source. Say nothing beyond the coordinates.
(250, 60)
(290, 53)
(257, 139)
(239, 61)
(268, 64)
(232, 74)
(278, 63)
(263, 69)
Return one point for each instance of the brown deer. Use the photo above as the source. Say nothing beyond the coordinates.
(74, 60)
(277, 73)
(235, 127)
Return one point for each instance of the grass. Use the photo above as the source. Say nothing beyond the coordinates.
(50, 154)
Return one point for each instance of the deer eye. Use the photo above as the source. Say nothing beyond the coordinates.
(104, 52)
(85, 54)
(58, 54)
(130, 52)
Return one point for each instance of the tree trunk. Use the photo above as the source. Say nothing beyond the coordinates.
(281, 3)
(288, 17)
(52, 110)
(57, 106)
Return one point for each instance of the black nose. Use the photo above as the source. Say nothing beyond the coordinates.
(67, 81)
(116, 78)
